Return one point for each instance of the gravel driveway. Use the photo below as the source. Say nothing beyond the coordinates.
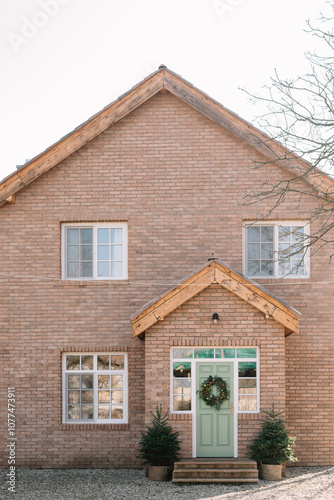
(307, 483)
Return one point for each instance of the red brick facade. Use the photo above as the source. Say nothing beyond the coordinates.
(176, 178)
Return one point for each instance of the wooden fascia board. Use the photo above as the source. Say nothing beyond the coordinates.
(78, 138)
(238, 127)
(174, 299)
(257, 298)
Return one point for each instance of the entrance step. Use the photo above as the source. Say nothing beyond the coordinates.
(215, 470)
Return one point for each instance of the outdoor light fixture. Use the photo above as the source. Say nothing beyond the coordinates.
(215, 318)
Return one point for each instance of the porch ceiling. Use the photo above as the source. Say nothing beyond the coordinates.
(215, 272)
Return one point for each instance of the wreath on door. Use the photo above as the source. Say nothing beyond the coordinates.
(205, 392)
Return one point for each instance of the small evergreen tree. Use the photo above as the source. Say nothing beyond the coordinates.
(159, 445)
(273, 445)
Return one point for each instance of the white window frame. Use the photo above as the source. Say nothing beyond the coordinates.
(276, 225)
(235, 360)
(95, 226)
(95, 372)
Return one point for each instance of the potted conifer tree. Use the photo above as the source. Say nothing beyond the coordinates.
(272, 447)
(159, 447)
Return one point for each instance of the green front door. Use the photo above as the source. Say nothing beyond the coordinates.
(214, 428)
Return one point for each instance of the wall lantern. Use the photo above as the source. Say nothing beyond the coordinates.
(215, 318)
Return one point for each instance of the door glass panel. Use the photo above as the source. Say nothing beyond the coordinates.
(246, 353)
(182, 403)
(247, 382)
(247, 403)
(182, 369)
(182, 353)
(204, 353)
(247, 369)
(182, 386)
(225, 353)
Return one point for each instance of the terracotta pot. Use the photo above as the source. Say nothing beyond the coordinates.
(158, 473)
(269, 472)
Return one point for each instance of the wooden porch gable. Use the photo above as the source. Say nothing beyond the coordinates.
(215, 272)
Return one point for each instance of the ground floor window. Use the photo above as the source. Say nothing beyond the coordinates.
(95, 387)
(246, 369)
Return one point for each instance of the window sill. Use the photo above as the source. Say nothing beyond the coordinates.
(84, 426)
(103, 283)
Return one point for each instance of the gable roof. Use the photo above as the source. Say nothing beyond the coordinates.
(161, 80)
(215, 272)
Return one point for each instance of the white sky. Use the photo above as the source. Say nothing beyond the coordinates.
(64, 60)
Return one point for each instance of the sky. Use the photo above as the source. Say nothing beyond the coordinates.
(64, 60)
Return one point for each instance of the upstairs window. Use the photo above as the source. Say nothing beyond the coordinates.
(276, 250)
(94, 251)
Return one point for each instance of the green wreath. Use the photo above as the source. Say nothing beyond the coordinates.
(205, 392)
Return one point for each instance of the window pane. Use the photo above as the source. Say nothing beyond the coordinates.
(247, 382)
(72, 236)
(284, 233)
(116, 252)
(104, 412)
(103, 269)
(87, 362)
(182, 369)
(73, 270)
(117, 397)
(253, 234)
(86, 236)
(267, 268)
(104, 381)
(247, 403)
(117, 362)
(73, 253)
(74, 397)
(298, 234)
(283, 268)
(267, 251)
(86, 381)
(103, 252)
(73, 412)
(87, 412)
(247, 390)
(116, 269)
(204, 353)
(253, 268)
(247, 369)
(182, 386)
(86, 396)
(253, 250)
(116, 236)
(267, 233)
(116, 412)
(86, 269)
(73, 381)
(246, 353)
(104, 397)
(86, 252)
(182, 403)
(72, 362)
(103, 235)
(117, 381)
(182, 353)
(225, 353)
(298, 267)
(103, 362)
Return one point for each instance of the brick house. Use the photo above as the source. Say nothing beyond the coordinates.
(109, 296)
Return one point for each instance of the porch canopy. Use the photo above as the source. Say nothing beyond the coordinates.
(215, 272)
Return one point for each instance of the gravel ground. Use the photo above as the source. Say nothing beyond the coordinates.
(307, 483)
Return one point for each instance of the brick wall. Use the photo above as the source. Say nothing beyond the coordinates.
(176, 178)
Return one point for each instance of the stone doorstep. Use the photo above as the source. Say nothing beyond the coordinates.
(217, 473)
(215, 464)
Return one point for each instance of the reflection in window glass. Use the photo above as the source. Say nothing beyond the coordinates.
(247, 369)
(204, 353)
(182, 369)
(182, 353)
(246, 353)
(181, 386)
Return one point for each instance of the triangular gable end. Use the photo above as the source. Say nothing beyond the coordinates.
(161, 80)
(215, 272)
